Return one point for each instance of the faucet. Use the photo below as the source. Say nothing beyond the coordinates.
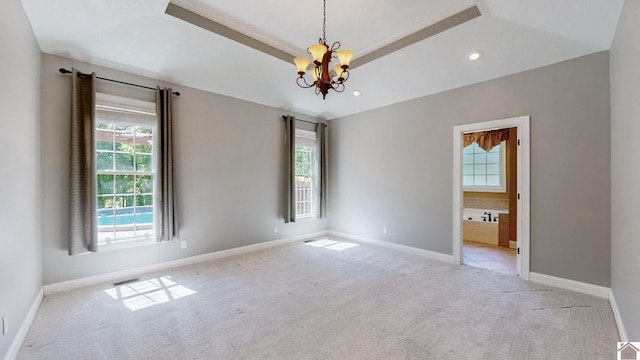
(488, 213)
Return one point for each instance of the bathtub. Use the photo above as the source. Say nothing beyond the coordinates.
(476, 225)
(482, 215)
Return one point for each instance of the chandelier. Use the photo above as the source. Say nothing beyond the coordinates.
(323, 77)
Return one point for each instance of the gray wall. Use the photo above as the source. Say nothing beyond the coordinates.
(228, 159)
(393, 166)
(625, 168)
(20, 246)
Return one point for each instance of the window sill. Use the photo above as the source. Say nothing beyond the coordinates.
(126, 244)
(306, 218)
(491, 189)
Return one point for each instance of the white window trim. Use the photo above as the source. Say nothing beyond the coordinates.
(503, 176)
(308, 138)
(129, 243)
(112, 103)
(303, 218)
(134, 105)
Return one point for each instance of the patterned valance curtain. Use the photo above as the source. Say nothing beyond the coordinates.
(486, 139)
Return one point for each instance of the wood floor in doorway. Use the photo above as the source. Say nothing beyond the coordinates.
(491, 257)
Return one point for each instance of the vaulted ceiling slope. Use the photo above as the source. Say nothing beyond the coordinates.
(139, 37)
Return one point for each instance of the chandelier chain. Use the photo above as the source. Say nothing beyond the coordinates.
(324, 20)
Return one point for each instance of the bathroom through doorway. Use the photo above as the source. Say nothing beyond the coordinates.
(491, 195)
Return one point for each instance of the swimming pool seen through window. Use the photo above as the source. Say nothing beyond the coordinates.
(125, 148)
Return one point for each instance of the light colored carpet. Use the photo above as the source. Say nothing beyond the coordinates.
(304, 302)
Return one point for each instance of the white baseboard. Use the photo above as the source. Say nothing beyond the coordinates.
(584, 288)
(616, 315)
(577, 286)
(129, 273)
(18, 340)
(393, 246)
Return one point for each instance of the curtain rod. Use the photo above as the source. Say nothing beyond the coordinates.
(65, 71)
(284, 117)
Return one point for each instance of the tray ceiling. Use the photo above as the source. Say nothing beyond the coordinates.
(140, 37)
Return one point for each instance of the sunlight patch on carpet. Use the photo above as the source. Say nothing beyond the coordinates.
(143, 294)
(330, 244)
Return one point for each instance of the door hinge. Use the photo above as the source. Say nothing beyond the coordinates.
(518, 142)
(518, 251)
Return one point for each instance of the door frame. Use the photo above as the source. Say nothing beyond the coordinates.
(523, 184)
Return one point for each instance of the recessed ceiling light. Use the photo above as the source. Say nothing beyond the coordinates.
(475, 55)
(356, 93)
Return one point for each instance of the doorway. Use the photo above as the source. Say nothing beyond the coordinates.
(523, 188)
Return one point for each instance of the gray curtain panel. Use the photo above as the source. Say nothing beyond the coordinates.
(166, 216)
(83, 235)
(321, 140)
(290, 169)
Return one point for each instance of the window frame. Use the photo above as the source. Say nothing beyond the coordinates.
(308, 139)
(123, 111)
(502, 188)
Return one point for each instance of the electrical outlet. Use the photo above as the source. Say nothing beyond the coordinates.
(385, 230)
(183, 244)
(5, 325)
(275, 229)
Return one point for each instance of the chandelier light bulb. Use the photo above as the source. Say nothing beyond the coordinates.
(345, 57)
(315, 74)
(301, 64)
(317, 52)
(339, 71)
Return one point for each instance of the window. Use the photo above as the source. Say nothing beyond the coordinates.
(306, 174)
(125, 167)
(484, 170)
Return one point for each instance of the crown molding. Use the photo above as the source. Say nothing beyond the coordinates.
(204, 16)
(219, 18)
(412, 35)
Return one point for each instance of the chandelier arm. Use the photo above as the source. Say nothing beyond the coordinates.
(335, 46)
(347, 75)
(306, 84)
(339, 87)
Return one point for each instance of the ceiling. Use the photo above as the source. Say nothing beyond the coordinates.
(139, 37)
